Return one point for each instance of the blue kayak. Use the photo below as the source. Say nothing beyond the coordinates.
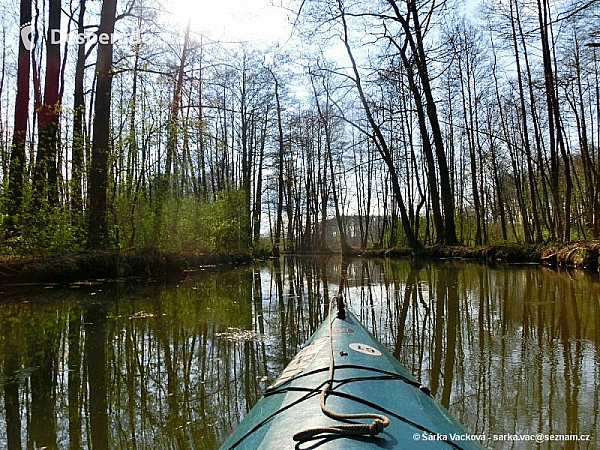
(344, 390)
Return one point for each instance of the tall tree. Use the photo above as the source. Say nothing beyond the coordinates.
(257, 205)
(280, 165)
(173, 127)
(98, 225)
(17, 153)
(414, 36)
(537, 234)
(438, 219)
(555, 130)
(379, 139)
(78, 144)
(45, 175)
(326, 121)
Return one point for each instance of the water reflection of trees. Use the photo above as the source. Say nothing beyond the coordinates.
(508, 351)
(148, 366)
(151, 367)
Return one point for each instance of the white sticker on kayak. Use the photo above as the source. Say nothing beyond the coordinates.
(364, 348)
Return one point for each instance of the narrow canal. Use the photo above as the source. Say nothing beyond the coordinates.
(152, 365)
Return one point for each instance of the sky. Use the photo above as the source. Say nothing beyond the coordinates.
(235, 20)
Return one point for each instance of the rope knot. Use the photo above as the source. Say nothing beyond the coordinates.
(376, 427)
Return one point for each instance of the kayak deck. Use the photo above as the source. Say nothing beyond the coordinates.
(366, 379)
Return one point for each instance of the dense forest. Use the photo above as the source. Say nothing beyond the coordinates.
(370, 124)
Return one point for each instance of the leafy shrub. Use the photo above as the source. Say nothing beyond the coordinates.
(186, 225)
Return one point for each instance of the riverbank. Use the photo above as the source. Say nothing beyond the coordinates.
(70, 267)
(579, 255)
(151, 263)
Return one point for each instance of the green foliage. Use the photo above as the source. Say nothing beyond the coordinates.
(38, 231)
(60, 234)
(226, 221)
(184, 225)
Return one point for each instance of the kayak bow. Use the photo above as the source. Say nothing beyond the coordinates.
(340, 378)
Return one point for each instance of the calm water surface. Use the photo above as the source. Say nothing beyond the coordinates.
(140, 365)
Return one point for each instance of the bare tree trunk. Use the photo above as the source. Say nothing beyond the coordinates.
(4, 148)
(78, 145)
(379, 140)
(438, 219)
(132, 142)
(498, 186)
(98, 224)
(537, 229)
(257, 207)
(589, 170)
(173, 127)
(324, 116)
(414, 35)
(546, 213)
(552, 126)
(247, 151)
(468, 116)
(516, 176)
(280, 168)
(202, 145)
(45, 182)
(324, 195)
(17, 153)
